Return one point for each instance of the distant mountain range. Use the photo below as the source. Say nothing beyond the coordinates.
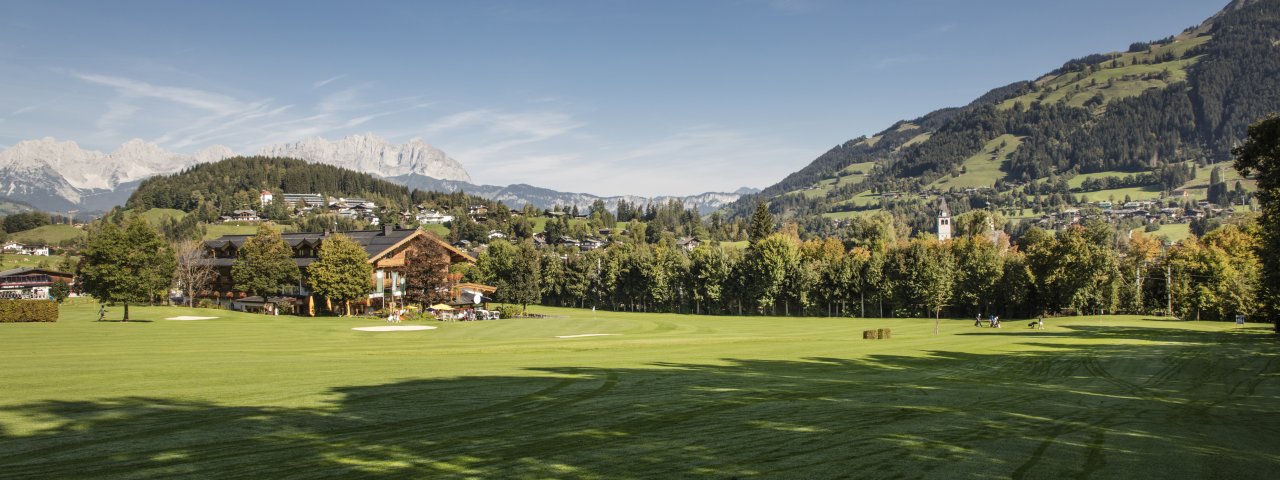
(59, 176)
(517, 195)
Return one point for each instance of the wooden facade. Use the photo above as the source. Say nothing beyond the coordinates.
(388, 250)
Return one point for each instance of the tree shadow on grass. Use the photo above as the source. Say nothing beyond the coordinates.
(1174, 410)
(1234, 336)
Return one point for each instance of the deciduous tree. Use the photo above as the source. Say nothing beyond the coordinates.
(265, 263)
(341, 271)
(194, 270)
(126, 266)
(426, 272)
(1259, 158)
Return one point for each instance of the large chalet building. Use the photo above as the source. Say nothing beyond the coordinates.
(387, 250)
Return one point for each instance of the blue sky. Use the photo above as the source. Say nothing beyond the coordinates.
(605, 97)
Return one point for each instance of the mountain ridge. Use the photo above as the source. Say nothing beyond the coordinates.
(60, 175)
(518, 194)
(1188, 97)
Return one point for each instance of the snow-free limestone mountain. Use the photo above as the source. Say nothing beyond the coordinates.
(60, 175)
(54, 175)
(373, 154)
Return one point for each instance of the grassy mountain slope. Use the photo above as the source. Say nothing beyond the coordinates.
(1143, 111)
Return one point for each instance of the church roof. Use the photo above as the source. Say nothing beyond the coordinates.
(943, 210)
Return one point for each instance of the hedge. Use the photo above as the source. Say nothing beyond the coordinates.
(509, 311)
(12, 311)
(877, 334)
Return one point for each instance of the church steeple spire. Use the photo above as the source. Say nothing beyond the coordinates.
(944, 221)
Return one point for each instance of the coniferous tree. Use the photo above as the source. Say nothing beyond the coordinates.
(761, 224)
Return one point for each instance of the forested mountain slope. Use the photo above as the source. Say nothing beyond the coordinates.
(1148, 111)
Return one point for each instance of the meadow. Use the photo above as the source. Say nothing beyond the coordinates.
(660, 396)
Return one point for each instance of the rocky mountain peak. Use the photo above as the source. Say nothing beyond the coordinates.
(373, 154)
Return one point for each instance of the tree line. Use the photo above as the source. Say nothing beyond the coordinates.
(1084, 269)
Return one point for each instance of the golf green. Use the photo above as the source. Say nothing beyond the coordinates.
(632, 395)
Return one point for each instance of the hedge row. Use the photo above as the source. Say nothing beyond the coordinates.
(12, 311)
(878, 334)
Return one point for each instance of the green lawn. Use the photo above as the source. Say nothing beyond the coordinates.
(1175, 232)
(666, 396)
(11, 261)
(157, 215)
(1151, 192)
(1078, 180)
(48, 234)
(215, 230)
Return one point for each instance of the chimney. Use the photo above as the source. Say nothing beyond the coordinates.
(386, 230)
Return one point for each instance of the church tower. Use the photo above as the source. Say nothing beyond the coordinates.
(944, 222)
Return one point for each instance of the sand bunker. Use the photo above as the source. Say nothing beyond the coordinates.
(188, 317)
(587, 335)
(395, 328)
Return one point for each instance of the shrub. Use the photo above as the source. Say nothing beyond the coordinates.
(508, 311)
(12, 311)
(59, 291)
(877, 334)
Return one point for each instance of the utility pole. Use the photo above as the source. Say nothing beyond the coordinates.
(1168, 286)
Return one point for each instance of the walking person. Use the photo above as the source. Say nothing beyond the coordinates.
(102, 313)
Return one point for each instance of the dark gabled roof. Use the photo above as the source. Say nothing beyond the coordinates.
(33, 271)
(374, 242)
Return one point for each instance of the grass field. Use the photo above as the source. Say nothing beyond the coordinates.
(1175, 232)
(983, 168)
(11, 261)
(1126, 78)
(47, 235)
(666, 396)
(155, 216)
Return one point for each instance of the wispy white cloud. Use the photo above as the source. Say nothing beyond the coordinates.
(890, 62)
(206, 117)
(199, 99)
(542, 145)
(503, 131)
(329, 80)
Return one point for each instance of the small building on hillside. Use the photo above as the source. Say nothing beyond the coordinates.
(303, 201)
(387, 248)
(688, 243)
(265, 197)
(241, 216)
(433, 217)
